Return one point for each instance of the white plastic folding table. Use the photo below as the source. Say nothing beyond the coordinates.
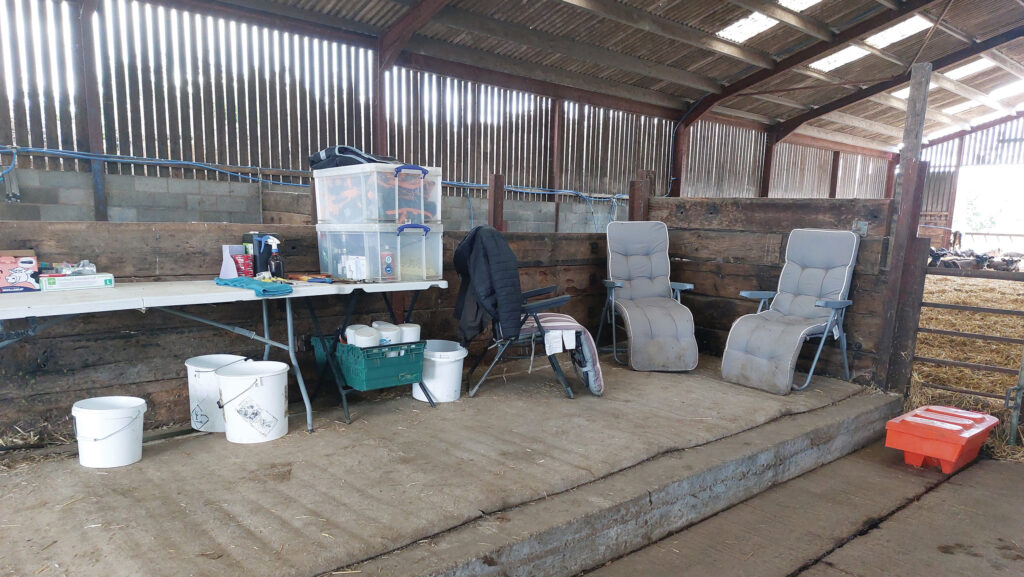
(164, 295)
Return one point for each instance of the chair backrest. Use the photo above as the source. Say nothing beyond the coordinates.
(638, 257)
(819, 265)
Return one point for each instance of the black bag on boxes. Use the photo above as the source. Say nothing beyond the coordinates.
(344, 156)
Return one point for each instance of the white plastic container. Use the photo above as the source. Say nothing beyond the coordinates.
(442, 371)
(380, 252)
(350, 331)
(365, 337)
(109, 431)
(410, 332)
(378, 193)
(204, 392)
(255, 401)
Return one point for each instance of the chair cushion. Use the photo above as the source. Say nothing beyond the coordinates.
(762, 349)
(638, 257)
(819, 264)
(660, 334)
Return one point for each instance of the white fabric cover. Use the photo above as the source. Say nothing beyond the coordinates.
(762, 349)
(660, 329)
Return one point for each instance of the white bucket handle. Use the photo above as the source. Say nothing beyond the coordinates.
(257, 381)
(104, 438)
(197, 371)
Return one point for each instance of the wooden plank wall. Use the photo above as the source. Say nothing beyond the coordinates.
(724, 246)
(142, 354)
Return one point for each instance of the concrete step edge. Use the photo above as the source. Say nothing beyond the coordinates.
(610, 517)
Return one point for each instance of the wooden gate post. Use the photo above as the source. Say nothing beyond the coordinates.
(496, 202)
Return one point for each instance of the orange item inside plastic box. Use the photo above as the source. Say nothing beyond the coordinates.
(939, 436)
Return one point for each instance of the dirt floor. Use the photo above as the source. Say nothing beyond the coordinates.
(973, 292)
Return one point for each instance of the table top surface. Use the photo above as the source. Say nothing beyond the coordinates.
(143, 295)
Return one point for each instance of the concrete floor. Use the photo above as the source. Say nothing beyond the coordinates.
(865, 515)
(306, 504)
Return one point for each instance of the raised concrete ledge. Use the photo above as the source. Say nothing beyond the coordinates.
(594, 523)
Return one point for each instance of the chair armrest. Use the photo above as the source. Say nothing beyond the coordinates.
(543, 305)
(681, 286)
(758, 294)
(540, 291)
(612, 284)
(832, 304)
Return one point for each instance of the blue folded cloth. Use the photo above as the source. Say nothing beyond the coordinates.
(262, 289)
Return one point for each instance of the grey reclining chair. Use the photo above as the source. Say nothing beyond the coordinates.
(762, 348)
(660, 328)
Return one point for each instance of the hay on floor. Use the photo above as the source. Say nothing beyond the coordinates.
(972, 292)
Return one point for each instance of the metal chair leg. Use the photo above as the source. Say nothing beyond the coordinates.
(615, 341)
(600, 324)
(560, 375)
(501, 351)
(814, 363)
(846, 363)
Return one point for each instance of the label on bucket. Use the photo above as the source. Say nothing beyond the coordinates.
(199, 418)
(260, 420)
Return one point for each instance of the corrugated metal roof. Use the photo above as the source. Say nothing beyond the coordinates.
(978, 18)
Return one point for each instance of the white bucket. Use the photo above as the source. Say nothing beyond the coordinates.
(350, 330)
(365, 337)
(109, 431)
(442, 371)
(410, 332)
(390, 334)
(255, 401)
(203, 391)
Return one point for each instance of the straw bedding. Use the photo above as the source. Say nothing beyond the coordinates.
(973, 292)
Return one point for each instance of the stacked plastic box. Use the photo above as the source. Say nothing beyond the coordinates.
(379, 222)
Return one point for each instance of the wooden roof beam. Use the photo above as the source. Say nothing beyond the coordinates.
(1006, 63)
(393, 39)
(886, 99)
(864, 124)
(511, 32)
(643, 20)
(549, 74)
(840, 137)
(961, 89)
(869, 25)
(785, 128)
(795, 20)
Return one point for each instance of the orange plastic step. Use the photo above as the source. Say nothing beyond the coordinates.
(946, 437)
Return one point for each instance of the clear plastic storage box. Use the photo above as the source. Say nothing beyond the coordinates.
(378, 193)
(380, 252)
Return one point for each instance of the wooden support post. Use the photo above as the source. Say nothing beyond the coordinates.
(766, 168)
(680, 158)
(833, 181)
(908, 315)
(496, 202)
(91, 87)
(639, 199)
(890, 176)
(956, 179)
(902, 238)
(555, 130)
(913, 126)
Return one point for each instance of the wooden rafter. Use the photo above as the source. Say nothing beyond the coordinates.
(391, 40)
(790, 125)
(815, 51)
(961, 89)
(643, 20)
(864, 123)
(795, 20)
(511, 32)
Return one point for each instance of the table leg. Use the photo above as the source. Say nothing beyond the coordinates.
(266, 330)
(295, 364)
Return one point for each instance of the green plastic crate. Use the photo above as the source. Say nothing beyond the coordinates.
(371, 368)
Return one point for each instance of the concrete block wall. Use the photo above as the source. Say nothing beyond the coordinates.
(67, 196)
(531, 215)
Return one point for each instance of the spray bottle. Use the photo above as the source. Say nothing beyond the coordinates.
(275, 265)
